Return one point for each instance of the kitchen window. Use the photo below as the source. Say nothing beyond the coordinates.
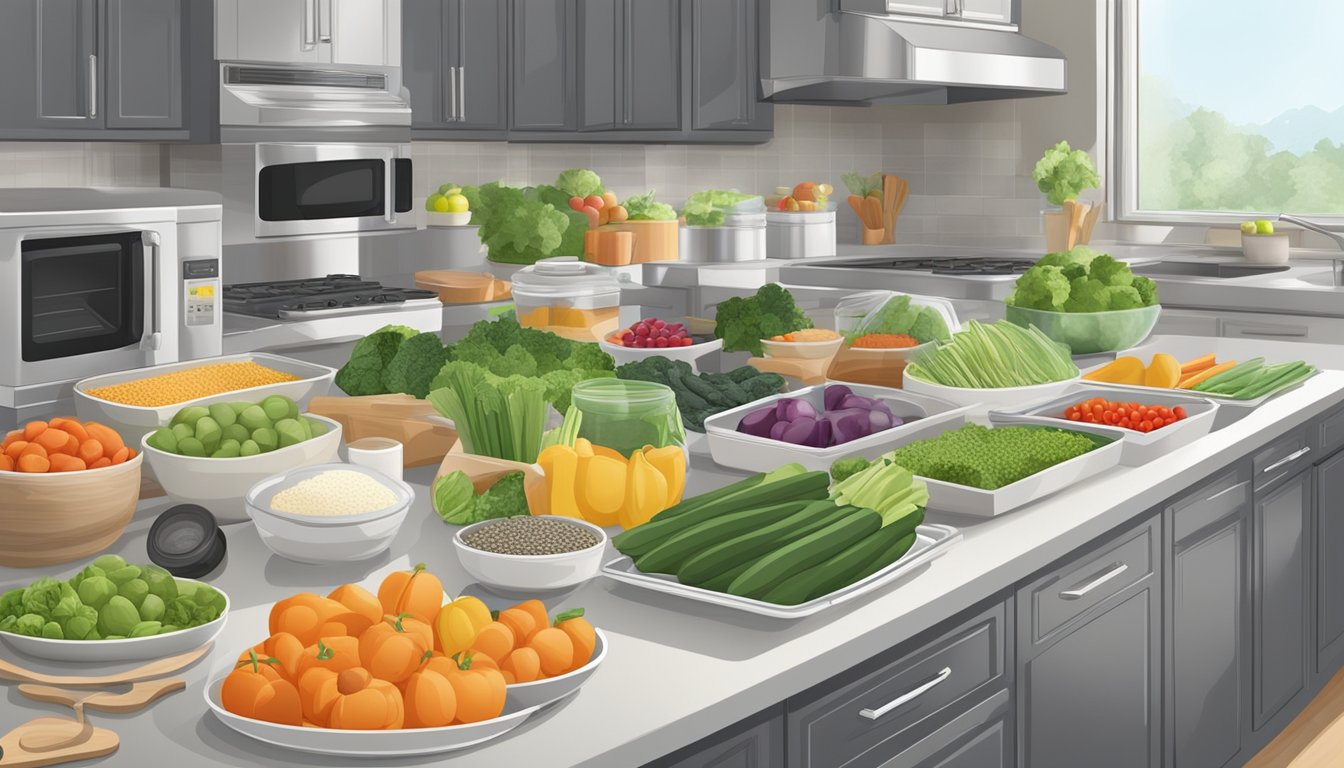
(1223, 111)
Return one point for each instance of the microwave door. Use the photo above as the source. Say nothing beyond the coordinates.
(327, 189)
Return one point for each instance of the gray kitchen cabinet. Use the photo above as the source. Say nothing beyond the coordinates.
(992, 11)
(359, 32)
(725, 67)
(543, 92)
(1280, 595)
(1089, 658)
(757, 742)
(144, 88)
(1208, 623)
(1329, 528)
(455, 66)
(49, 49)
(630, 64)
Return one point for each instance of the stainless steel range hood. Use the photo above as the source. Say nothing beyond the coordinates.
(267, 101)
(875, 58)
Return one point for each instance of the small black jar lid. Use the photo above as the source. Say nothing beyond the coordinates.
(186, 541)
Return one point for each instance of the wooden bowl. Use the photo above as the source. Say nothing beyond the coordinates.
(58, 517)
(456, 287)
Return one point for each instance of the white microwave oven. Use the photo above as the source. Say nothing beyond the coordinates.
(101, 280)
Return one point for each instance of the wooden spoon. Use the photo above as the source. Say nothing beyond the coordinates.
(10, 671)
(1089, 222)
(141, 695)
(81, 742)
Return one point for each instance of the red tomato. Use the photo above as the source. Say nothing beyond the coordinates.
(1179, 412)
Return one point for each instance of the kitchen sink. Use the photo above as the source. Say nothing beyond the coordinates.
(1216, 270)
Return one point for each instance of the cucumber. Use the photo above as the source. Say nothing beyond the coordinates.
(685, 505)
(668, 556)
(720, 582)
(895, 552)
(806, 552)
(843, 568)
(808, 486)
(724, 556)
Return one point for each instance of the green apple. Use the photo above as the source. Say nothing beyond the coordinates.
(441, 204)
(447, 189)
(1248, 227)
(432, 202)
(1264, 227)
(457, 203)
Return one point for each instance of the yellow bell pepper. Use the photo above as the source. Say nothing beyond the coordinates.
(600, 489)
(560, 463)
(645, 492)
(458, 623)
(583, 447)
(671, 462)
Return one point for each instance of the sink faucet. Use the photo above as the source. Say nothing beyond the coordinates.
(1314, 227)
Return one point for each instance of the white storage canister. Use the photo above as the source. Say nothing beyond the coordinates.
(799, 235)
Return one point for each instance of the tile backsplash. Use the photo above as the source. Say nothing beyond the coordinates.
(78, 164)
(969, 181)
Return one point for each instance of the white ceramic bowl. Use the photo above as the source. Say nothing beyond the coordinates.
(983, 400)
(523, 573)
(805, 350)
(440, 219)
(689, 355)
(539, 693)
(326, 539)
(369, 745)
(220, 484)
(1265, 249)
(134, 421)
(129, 649)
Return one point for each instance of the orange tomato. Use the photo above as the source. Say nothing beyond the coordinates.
(257, 691)
(363, 702)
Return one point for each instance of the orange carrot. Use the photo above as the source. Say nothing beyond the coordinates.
(90, 451)
(32, 462)
(107, 436)
(32, 429)
(61, 462)
(1198, 364)
(1208, 373)
(100, 463)
(6, 463)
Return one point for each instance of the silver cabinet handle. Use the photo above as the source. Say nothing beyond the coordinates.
(309, 25)
(155, 337)
(1275, 334)
(905, 698)
(1228, 490)
(450, 110)
(629, 64)
(389, 189)
(1074, 594)
(462, 94)
(324, 24)
(93, 85)
(1289, 459)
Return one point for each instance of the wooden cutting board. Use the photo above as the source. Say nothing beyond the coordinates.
(455, 287)
(403, 418)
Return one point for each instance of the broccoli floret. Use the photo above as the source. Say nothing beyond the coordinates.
(1041, 287)
(1147, 290)
(363, 373)
(1124, 297)
(559, 383)
(515, 361)
(545, 343)
(499, 335)
(743, 321)
(503, 499)
(415, 365)
(1088, 295)
(981, 457)
(589, 357)
(843, 469)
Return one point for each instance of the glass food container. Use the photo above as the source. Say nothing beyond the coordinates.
(569, 298)
(741, 238)
(625, 415)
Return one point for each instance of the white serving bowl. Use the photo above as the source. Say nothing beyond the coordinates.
(326, 539)
(218, 484)
(524, 573)
(983, 400)
(689, 355)
(128, 649)
(539, 693)
(133, 422)
(445, 219)
(1265, 249)
(802, 350)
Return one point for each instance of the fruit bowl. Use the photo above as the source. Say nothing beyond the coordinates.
(437, 219)
(1088, 333)
(1265, 249)
(689, 355)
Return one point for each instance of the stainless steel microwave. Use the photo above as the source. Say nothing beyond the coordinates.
(326, 189)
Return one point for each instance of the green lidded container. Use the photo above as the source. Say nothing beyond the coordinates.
(625, 415)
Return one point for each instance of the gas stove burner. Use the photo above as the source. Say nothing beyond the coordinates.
(284, 298)
(971, 266)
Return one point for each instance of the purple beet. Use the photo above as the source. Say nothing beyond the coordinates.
(821, 436)
(777, 430)
(758, 422)
(799, 432)
(834, 394)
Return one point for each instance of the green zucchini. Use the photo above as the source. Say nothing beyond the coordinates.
(720, 582)
(668, 556)
(723, 555)
(843, 568)
(806, 552)
(808, 486)
(895, 552)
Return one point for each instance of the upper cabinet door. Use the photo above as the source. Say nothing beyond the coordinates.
(651, 59)
(602, 64)
(425, 61)
(481, 28)
(272, 30)
(542, 93)
(49, 51)
(920, 7)
(358, 31)
(725, 77)
(144, 70)
(995, 11)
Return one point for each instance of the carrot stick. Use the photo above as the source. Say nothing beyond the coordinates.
(1207, 373)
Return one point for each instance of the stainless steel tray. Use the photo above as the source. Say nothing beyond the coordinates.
(931, 541)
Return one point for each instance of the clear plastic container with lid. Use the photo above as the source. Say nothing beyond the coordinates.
(625, 415)
(861, 313)
(568, 297)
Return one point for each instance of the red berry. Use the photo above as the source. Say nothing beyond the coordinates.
(641, 330)
(685, 342)
(660, 343)
(656, 323)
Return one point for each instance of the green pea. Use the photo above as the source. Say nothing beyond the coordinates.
(80, 628)
(315, 427)
(109, 563)
(228, 449)
(209, 433)
(134, 590)
(239, 406)
(254, 418)
(114, 637)
(223, 415)
(190, 415)
(182, 432)
(167, 628)
(52, 631)
(118, 617)
(145, 629)
(151, 608)
(161, 582)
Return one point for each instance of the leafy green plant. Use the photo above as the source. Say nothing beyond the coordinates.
(415, 364)
(579, 182)
(645, 208)
(710, 207)
(1063, 172)
(1081, 280)
(743, 321)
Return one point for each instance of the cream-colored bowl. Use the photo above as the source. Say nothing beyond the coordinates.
(57, 517)
(804, 350)
(1265, 249)
(526, 573)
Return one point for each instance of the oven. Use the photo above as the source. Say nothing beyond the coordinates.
(324, 189)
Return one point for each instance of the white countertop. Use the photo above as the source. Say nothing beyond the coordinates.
(676, 671)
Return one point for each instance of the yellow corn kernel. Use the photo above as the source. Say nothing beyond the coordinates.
(190, 384)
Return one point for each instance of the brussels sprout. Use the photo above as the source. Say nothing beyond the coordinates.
(89, 570)
(190, 446)
(182, 432)
(254, 418)
(114, 637)
(96, 591)
(315, 427)
(209, 433)
(152, 608)
(235, 432)
(68, 606)
(11, 603)
(277, 407)
(223, 415)
(228, 449)
(124, 574)
(161, 582)
(185, 589)
(29, 624)
(110, 562)
(164, 439)
(81, 628)
(7, 623)
(249, 448)
(239, 406)
(290, 432)
(52, 631)
(86, 612)
(190, 415)
(145, 629)
(118, 617)
(266, 439)
(134, 590)
(167, 628)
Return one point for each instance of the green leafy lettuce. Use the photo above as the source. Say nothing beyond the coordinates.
(743, 321)
(579, 182)
(710, 207)
(645, 208)
(1063, 172)
(994, 356)
(1082, 280)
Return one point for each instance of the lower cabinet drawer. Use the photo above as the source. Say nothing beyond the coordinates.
(884, 707)
(756, 742)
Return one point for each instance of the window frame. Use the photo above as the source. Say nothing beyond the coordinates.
(1122, 122)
